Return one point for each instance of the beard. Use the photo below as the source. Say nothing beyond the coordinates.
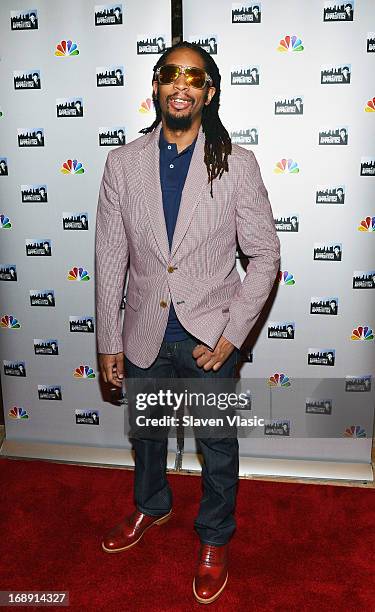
(182, 122)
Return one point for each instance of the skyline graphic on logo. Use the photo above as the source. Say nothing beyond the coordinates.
(66, 48)
(10, 322)
(286, 166)
(18, 413)
(367, 225)
(72, 167)
(5, 222)
(355, 431)
(370, 106)
(146, 106)
(84, 371)
(362, 333)
(286, 278)
(279, 380)
(78, 274)
(290, 44)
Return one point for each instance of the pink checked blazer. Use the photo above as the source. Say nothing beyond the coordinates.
(199, 274)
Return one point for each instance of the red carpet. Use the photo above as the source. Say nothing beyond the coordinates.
(297, 546)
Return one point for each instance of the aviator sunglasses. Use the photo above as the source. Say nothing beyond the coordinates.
(196, 77)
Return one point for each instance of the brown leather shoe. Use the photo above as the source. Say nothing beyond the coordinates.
(212, 573)
(129, 532)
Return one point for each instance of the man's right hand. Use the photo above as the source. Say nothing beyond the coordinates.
(112, 368)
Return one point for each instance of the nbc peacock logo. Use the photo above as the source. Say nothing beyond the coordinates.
(279, 380)
(355, 431)
(146, 106)
(10, 322)
(370, 106)
(362, 333)
(72, 166)
(84, 371)
(18, 413)
(286, 166)
(5, 222)
(66, 48)
(286, 278)
(367, 225)
(78, 274)
(290, 44)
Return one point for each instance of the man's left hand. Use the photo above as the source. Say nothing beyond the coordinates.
(213, 359)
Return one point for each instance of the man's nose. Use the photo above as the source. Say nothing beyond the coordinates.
(180, 83)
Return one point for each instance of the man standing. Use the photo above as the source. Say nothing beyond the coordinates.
(171, 203)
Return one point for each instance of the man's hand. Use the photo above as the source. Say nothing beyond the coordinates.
(112, 368)
(213, 359)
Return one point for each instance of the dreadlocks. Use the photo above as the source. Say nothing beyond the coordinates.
(218, 144)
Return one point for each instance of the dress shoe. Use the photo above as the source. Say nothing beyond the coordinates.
(212, 573)
(129, 532)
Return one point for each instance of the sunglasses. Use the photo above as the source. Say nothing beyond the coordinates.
(196, 77)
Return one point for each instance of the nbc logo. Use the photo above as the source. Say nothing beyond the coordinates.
(286, 166)
(370, 106)
(4, 222)
(146, 106)
(279, 380)
(290, 44)
(78, 274)
(367, 225)
(286, 278)
(72, 167)
(66, 48)
(84, 371)
(364, 333)
(355, 431)
(10, 322)
(18, 413)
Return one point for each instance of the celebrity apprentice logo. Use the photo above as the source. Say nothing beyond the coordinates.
(27, 79)
(111, 76)
(245, 137)
(358, 384)
(371, 42)
(75, 221)
(321, 406)
(30, 137)
(330, 195)
(69, 107)
(246, 12)
(286, 278)
(277, 427)
(8, 272)
(5, 222)
(42, 297)
(338, 136)
(47, 346)
(364, 280)
(26, 19)
(362, 333)
(333, 11)
(18, 413)
(108, 14)
(367, 166)
(9, 322)
(324, 306)
(244, 75)
(151, 46)
(81, 324)
(109, 137)
(323, 357)
(355, 431)
(3, 166)
(14, 368)
(87, 417)
(327, 252)
(208, 43)
(40, 247)
(49, 393)
(84, 371)
(290, 106)
(336, 75)
(34, 193)
(287, 224)
(282, 331)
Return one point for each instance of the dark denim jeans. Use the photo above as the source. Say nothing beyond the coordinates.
(215, 522)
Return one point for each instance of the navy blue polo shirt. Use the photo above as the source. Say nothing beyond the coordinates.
(174, 167)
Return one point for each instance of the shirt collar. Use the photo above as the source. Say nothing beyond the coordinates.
(163, 143)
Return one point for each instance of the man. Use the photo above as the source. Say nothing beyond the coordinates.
(162, 207)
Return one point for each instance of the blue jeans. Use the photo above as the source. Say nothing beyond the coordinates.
(215, 522)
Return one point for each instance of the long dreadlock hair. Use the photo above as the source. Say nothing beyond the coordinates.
(218, 144)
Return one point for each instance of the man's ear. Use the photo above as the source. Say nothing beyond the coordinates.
(211, 93)
(155, 87)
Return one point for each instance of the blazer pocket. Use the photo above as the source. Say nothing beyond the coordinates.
(133, 299)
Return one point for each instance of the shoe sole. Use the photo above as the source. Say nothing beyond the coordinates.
(211, 599)
(160, 521)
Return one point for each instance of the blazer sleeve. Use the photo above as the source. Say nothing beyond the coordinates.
(258, 240)
(111, 260)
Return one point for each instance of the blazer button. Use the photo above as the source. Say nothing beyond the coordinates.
(170, 268)
(163, 304)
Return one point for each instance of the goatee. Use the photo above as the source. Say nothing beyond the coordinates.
(178, 122)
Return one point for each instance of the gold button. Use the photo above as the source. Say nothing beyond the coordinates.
(163, 304)
(170, 268)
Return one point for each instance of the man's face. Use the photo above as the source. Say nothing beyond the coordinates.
(118, 74)
(182, 118)
(342, 134)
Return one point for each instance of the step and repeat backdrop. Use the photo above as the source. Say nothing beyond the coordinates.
(298, 88)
